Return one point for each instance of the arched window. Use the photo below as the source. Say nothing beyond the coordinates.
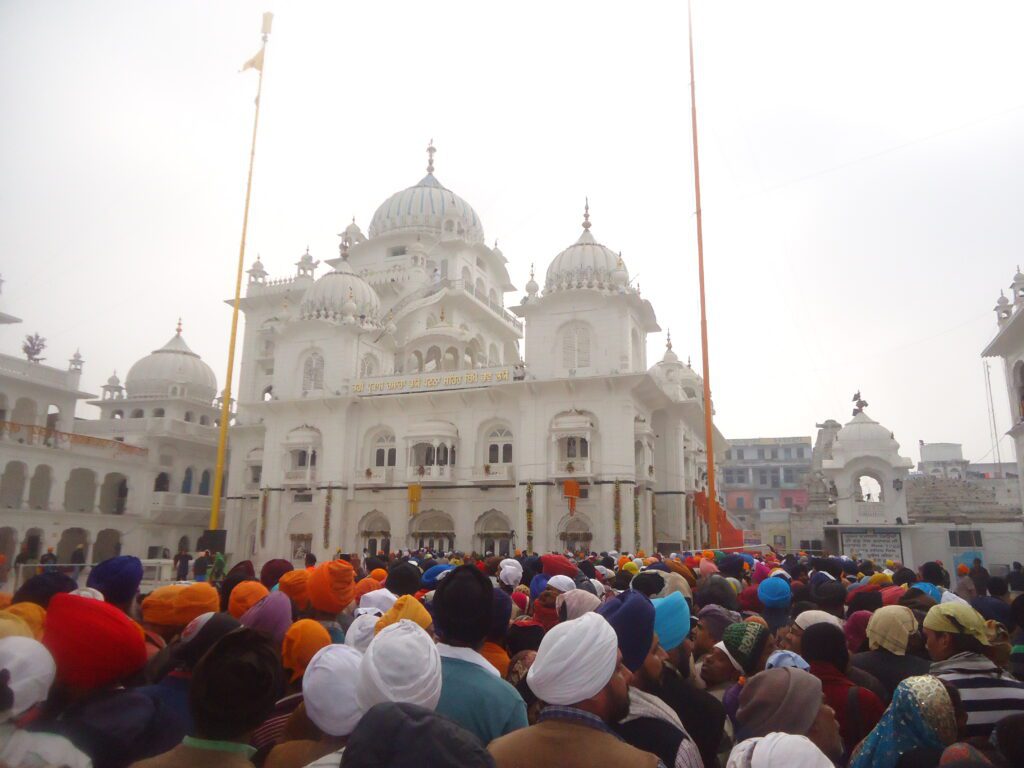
(204, 421)
(268, 393)
(137, 413)
(204, 483)
(368, 366)
(313, 373)
(577, 447)
(186, 483)
(576, 347)
(442, 455)
(162, 484)
(384, 452)
(189, 416)
(117, 415)
(499, 446)
(158, 412)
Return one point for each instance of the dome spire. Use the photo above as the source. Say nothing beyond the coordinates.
(668, 340)
(430, 156)
(586, 213)
(178, 329)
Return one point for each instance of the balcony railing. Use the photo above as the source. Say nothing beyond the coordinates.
(29, 434)
(377, 476)
(492, 473)
(300, 476)
(430, 474)
(571, 468)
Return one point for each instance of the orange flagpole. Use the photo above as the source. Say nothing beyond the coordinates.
(709, 434)
(225, 411)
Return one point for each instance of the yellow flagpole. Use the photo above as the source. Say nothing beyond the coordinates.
(225, 411)
(709, 434)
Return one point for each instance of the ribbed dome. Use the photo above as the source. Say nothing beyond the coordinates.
(864, 434)
(173, 365)
(340, 294)
(428, 208)
(586, 264)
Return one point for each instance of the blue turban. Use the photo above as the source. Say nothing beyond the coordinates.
(820, 577)
(748, 559)
(658, 566)
(538, 585)
(117, 578)
(774, 592)
(433, 575)
(631, 615)
(671, 620)
(929, 589)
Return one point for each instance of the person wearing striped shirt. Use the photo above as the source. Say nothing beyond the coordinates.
(957, 643)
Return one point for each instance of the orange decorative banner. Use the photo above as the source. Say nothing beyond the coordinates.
(571, 491)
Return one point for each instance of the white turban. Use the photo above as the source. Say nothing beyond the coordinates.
(381, 599)
(400, 664)
(577, 602)
(562, 583)
(810, 618)
(575, 661)
(511, 572)
(32, 671)
(329, 689)
(89, 592)
(778, 749)
(360, 631)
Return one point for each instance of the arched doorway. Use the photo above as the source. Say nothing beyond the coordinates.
(108, 545)
(80, 491)
(114, 494)
(375, 533)
(25, 412)
(493, 534)
(39, 488)
(69, 541)
(33, 543)
(300, 538)
(575, 533)
(434, 530)
(12, 485)
(8, 543)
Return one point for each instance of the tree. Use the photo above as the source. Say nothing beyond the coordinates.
(33, 348)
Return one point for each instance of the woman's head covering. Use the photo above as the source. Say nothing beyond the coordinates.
(32, 671)
(810, 618)
(361, 631)
(329, 689)
(301, 643)
(295, 584)
(194, 600)
(33, 615)
(575, 603)
(244, 596)
(890, 628)
(855, 630)
(117, 578)
(957, 618)
(671, 620)
(272, 615)
(94, 644)
(331, 586)
(787, 659)
(408, 608)
(781, 699)
(777, 749)
(921, 715)
(273, 570)
(715, 618)
(400, 664)
(575, 661)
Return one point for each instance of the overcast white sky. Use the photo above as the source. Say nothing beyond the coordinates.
(861, 164)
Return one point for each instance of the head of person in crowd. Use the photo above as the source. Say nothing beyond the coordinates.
(331, 588)
(518, 668)
(631, 616)
(403, 579)
(802, 622)
(855, 630)
(273, 570)
(579, 665)
(831, 598)
(921, 716)
(932, 573)
(952, 628)
(239, 572)
(863, 600)
(272, 615)
(329, 691)
(711, 623)
(574, 603)
(118, 579)
(1009, 739)
(235, 686)
(27, 671)
(997, 587)
(462, 607)
(717, 591)
(159, 613)
(524, 634)
(401, 735)
(778, 749)
(301, 643)
(788, 700)
(890, 629)
(673, 626)
(199, 636)
(825, 643)
(904, 576)
(742, 652)
(41, 588)
(244, 596)
(401, 663)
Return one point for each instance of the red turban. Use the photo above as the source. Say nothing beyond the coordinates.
(330, 586)
(555, 565)
(93, 643)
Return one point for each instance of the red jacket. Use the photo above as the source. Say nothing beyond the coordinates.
(837, 687)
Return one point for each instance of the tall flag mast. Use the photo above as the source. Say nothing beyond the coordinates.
(709, 435)
(256, 62)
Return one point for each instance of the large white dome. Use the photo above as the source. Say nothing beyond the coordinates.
(339, 294)
(173, 365)
(428, 208)
(586, 264)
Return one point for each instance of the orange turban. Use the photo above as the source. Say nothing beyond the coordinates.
(244, 596)
(5, 599)
(379, 574)
(363, 586)
(330, 586)
(962, 569)
(33, 615)
(195, 600)
(295, 584)
(301, 642)
(158, 605)
(405, 607)
(677, 567)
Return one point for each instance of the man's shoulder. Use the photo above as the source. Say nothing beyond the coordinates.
(468, 673)
(556, 733)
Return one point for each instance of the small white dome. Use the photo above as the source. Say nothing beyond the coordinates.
(327, 298)
(586, 264)
(862, 434)
(173, 365)
(428, 208)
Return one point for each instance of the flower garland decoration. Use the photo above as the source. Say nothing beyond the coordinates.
(327, 518)
(617, 516)
(529, 518)
(636, 518)
(263, 518)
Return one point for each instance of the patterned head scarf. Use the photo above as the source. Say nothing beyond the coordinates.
(921, 715)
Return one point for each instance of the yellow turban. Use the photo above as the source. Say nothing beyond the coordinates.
(32, 614)
(632, 568)
(405, 607)
(13, 626)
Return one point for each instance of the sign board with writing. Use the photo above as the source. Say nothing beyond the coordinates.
(751, 538)
(877, 546)
(431, 382)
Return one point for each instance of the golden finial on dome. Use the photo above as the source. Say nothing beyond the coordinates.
(430, 156)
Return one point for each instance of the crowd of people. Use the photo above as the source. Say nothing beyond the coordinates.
(693, 659)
